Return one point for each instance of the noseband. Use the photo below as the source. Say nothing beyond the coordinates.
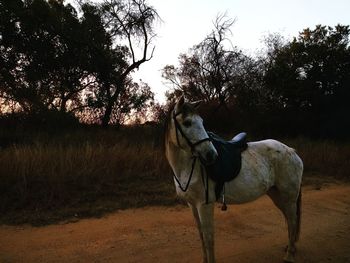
(178, 128)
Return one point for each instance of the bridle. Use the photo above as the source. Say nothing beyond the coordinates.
(178, 128)
(192, 146)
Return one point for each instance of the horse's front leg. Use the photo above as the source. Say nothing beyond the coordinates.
(199, 226)
(206, 218)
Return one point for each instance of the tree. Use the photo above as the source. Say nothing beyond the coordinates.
(44, 65)
(310, 77)
(131, 104)
(136, 99)
(131, 21)
(54, 60)
(211, 70)
(312, 72)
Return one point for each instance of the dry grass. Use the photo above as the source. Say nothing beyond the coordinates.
(323, 157)
(91, 172)
(54, 180)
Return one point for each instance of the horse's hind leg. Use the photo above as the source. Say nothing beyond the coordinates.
(291, 217)
(290, 208)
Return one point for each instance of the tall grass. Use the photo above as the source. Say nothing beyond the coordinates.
(90, 171)
(105, 171)
(324, 157)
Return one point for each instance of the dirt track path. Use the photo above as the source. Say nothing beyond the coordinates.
(253, 232)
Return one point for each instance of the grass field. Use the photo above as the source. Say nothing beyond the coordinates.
(88, 172)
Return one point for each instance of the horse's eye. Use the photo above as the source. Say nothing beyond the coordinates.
(187, 123)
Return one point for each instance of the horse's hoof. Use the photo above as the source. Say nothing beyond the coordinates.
(289, 258)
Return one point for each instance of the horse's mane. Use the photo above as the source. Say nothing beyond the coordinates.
(167, 122)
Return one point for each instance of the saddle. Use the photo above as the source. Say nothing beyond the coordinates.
(228, 163)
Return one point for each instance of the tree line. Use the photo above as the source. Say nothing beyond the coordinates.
(301, 86)
(77, 61)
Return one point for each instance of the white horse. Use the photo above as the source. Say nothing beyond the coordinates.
(268, 167)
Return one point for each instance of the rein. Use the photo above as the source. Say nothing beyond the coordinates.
(192, 146)
(184, 189)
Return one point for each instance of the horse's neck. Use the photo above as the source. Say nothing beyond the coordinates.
(179, 160)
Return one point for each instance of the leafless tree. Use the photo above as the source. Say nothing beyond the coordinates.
(130, 22)
(211, 69)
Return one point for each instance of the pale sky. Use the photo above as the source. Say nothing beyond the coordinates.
(187, 22)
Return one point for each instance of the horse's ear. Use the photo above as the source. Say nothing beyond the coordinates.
(196, 104)
(181, 100)
(179, 103)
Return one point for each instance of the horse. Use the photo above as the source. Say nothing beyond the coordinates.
(267, 167)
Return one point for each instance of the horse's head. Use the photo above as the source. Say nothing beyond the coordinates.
(187, 132)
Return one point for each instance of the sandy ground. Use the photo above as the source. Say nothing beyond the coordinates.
(253, 232)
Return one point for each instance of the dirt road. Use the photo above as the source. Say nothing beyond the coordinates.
(253, 232)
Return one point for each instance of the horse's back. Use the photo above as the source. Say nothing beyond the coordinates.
(282, 159)
(265, 164)
(276, 152)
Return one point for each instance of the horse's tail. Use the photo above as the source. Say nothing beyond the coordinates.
(298, 216)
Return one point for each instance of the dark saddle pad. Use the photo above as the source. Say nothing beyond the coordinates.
(228, 163)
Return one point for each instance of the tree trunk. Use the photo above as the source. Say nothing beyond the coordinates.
(109, 108)
(63, 106)
(107, 115)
